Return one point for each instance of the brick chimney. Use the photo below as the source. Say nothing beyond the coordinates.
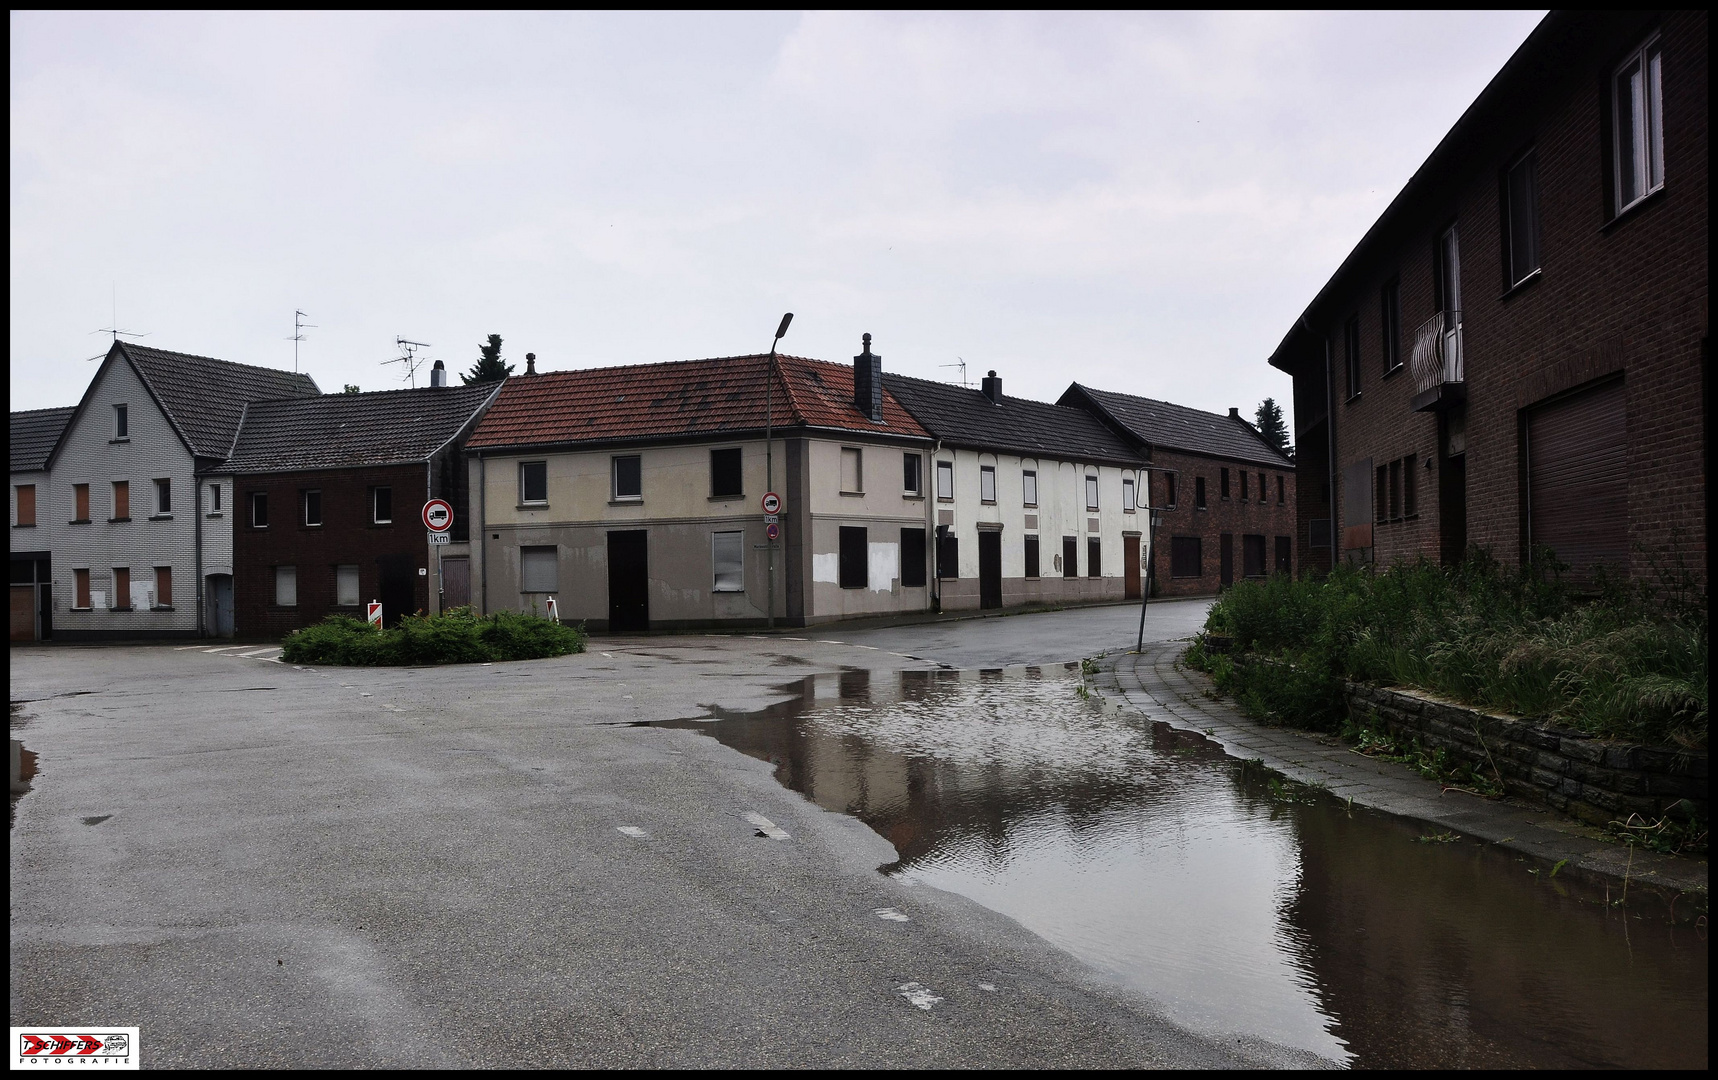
(1234, 413)
(992, 388)
(438, 374)
(868, 382)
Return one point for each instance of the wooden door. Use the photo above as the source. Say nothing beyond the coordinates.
(455, 582)
(1130, 566)
(989, 569)
(23, 613)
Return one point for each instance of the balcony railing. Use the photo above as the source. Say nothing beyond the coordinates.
(1437, 355)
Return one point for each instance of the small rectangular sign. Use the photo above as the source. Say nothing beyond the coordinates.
(440, 538)
(772, 519)
(82, 1048)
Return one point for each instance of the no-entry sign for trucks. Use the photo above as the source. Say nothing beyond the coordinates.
(438, 516)
(772, 503)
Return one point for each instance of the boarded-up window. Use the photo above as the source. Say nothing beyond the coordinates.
(725, 475)
(539, 569)
(1199, 492)
(1577, 478)
(727, 558)
(1223, 484)
(1070, 556)
(1253, 556)
(346, 586)
(1243, 485)
(286, 586)
(1094, 557)
(1185, 557)
(852, 470)
(80, 502)
(122, 499)
(1357, 502)
(1031, 556)
(163, 586)
(121, 588)
(1285, 556)
(80, 589)
(855, 557)
(26, 504)
(912, 558)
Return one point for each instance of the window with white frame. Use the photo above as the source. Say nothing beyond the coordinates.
(122, 421)
(628, 478)
(214, 498)
(533, 482)
(1091, 491)
(382, 505)
(1521, 220)
(1029, 487)
(945, 480)
(313, 508)
(1637, 124)
(163, 495)
(727, 561)
(912, 474)
(987, 483)
(1128, 503)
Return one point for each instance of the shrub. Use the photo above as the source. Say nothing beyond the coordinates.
(458, 636)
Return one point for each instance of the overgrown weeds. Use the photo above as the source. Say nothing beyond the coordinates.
(1433, 764)
(459, 636)
(1620, 659)
(1676, 833)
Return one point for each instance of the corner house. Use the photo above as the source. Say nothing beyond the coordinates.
(632, 495)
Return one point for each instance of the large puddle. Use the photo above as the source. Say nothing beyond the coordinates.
(1240, 904)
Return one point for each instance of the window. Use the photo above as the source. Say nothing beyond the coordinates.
(852, 470)
(1031, 556)
(1093, 561)
(122, 421)
(163, 586)
(80, 503)
(1390, 318)
(259, 509)
(214, 498)
(534, 482)
(1253, 556)
(1351, 354)
(1638, 125)
(1199, 492)
(1446, 289)
(855, 558)
(346, 586)
(286, 586)
(912, 558)
(1243, 485)
(1393, 491)
(539, 569)
(1029, 487)
(121, 600)
(1381, 496)
(26, 504)
(1520, 221)
(1282, 496)
(382, 505)
(80, 590)
(948, 557)
(1185, 558)
(122, 500)
(726, 481)
(1284, 550)
(628, 477)
(913, 475)
(945, 480)
(1410, 497)
(1128, 502)
(1169, 482)
(1223, 484)
(163, 496)
(727, 560)
(313, 508)
(1091, 491)
(987, 483)
(1070, 556)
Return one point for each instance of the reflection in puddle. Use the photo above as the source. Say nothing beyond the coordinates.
(1151, 854)
(23, 771)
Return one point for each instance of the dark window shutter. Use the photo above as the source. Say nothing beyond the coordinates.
(855, 563)
(1031, 556)
(1185, 557)
(1577, 478)
(912, 558)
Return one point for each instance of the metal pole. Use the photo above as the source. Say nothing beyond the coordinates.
(1150, 562)
(769, 469)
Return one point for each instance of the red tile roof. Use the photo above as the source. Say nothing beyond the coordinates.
(678, 400)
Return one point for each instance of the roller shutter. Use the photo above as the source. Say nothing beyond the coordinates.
(1577, 478)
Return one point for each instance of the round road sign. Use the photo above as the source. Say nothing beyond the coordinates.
(773, 531)
(772, 503)
(438, 516)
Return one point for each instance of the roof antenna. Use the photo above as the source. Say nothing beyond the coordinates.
(962, 366)
(298, 328)
(409, 357)
(113, 327)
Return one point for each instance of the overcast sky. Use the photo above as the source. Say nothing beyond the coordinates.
(1141, 203)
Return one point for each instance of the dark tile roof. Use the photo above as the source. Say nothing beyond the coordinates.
(386, 427)
(34, 434)
(1176, 427)
(680, 399)
(204, 397)
(963, 416)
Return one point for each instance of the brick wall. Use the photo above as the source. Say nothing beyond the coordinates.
(1234, 515)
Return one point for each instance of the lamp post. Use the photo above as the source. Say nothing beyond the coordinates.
(1155, 518)
(769, 449)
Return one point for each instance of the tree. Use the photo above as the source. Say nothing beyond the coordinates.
(1271, 426)
(490, 367)
(352, 388)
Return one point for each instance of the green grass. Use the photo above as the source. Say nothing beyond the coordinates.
(1627, 660)
(454, 637)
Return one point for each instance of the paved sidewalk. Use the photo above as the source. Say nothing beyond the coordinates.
(1157, 684)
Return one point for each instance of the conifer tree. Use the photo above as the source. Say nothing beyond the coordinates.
(489, 367)
(1271, 426)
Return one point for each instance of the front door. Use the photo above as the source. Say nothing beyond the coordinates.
(23, 613)
(1130, 567)
(455, 582)
(1226, 559)
(397, 586)
(629, 580)
(219, 591)
(990, 569)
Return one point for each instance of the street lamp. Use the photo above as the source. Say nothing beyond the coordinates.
(769, 449)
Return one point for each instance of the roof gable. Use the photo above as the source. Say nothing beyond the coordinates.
(1177, 427)
(386, 427)
(959, 414)
(35, 433)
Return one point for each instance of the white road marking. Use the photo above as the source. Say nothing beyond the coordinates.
(890, 914)
(987, 986)
(873, 648)
(364, 693)
(766, 826)
(826, 641)
(632, 830)
(258, 652)
(609, 655)
(918, 994)
(793, 639)
(182, 648)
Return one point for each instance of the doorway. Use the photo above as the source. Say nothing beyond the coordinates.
(455, 582)
(218, 594)
(990, 569)
(1226, 560)
(396, 588)
(629, 580)
(1130, 567)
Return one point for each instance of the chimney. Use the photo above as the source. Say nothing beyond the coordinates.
(1234, 413)
(438, 374)
(992, 388)
(868, 382)
(530, 363)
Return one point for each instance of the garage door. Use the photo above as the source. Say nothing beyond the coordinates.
(1577, 478)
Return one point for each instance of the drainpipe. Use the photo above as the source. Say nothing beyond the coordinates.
(483, 532)
(933, 595)
(197, 531)
(432, 598)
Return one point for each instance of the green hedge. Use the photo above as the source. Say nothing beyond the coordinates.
(453, 637)
(1629, 662)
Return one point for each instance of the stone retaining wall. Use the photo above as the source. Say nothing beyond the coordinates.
(1597, 780)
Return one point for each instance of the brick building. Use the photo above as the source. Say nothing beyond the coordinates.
(1515, 353)
(328, 496)
(1227, 496)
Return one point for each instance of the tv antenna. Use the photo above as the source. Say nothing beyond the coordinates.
(113, 327)
(299, 326)
(409, 357)
(962, 366)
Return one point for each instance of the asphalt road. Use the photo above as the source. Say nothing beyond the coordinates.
(262, 865)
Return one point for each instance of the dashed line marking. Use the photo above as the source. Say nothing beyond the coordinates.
(632, 830)
(918, 994)
(257, 652)
(988, 986)
(766, 827)
(891, 915)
